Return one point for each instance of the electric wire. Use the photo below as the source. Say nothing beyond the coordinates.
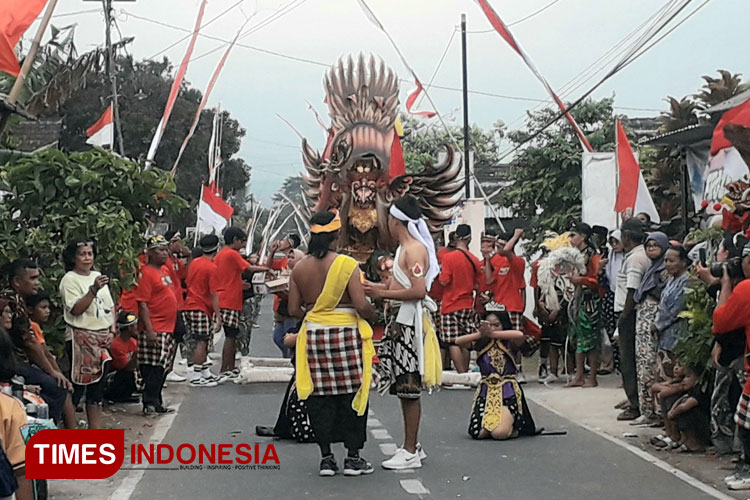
(519, 21)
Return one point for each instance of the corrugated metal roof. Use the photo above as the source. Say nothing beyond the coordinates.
(686, 135)
(730, 103)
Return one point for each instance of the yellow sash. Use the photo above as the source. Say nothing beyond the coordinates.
(433, 363)
(324, 313)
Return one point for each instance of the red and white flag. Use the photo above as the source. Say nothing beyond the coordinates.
(15, 18)
(505, 33)
(213, 212)
(632, 193)
(102, 133)
(175, 88)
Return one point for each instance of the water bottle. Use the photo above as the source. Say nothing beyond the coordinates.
(42, 411)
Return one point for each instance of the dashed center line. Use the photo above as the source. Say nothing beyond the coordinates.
(388, 449)
(381, 434)
(414, 487)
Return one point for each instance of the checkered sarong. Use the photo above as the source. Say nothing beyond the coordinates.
(334, 355)
(457, 323)
(230, 318)
(161, 353)
(197, 325)
(742, 415)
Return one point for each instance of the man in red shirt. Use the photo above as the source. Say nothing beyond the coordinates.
(157, 308)
(201, 311)
(229, 266)
(460, 272)
(124, 349)
(504, 272)
(733, 312)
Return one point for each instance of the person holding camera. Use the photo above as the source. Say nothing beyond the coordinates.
(733, 312)
(728, 349)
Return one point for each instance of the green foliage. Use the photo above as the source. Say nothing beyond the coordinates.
(545, 176)
(55, 198)
(694, 348)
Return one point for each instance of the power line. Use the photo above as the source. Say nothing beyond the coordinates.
(439, 64)
(631, 57)
(519, 21)
(188, 36)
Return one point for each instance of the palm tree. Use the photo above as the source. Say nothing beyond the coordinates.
(717, 90)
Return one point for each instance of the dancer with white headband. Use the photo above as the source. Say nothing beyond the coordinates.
(409, 354)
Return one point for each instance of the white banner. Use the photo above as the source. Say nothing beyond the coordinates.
(599, 189)
(723, 168)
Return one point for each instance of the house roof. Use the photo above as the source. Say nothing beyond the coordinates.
(730, 103)
(686, 135)
(33, 135)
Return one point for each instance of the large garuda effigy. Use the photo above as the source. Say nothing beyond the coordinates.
(355, 173)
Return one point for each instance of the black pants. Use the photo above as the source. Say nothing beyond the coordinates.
(744, 435)
(627, 359)
(333, 420)
(153, 380)
(121, 386)
(52, 394)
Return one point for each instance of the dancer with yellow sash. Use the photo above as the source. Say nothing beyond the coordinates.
(334, 348)
(499, 410)
(409, 354)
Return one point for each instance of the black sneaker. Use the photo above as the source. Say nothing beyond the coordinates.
(543, 373)
(151, 409)
(328, 466)
(357, 466)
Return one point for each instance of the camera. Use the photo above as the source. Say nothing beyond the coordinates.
(733, 265)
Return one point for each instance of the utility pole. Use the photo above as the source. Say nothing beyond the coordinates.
(467, 144)
(110, 63)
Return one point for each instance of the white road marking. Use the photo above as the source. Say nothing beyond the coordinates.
(128, 485)
(381, 434)
(374, 422)
(388, 449)
(414, 487)
(681, 475)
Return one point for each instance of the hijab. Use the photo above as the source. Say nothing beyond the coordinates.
(614, 263)
(653, 278)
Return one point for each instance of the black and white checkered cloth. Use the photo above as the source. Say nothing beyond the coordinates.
(334, 355)
(457, 323)
(742, 415)
(161, 353)
(230, 318)
(197, 324)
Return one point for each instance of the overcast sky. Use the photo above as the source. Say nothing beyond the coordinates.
(563, 40)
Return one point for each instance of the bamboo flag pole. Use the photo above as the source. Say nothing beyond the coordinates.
(15, 91)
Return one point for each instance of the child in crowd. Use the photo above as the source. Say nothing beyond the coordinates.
(686, 410)
(121, 383)
(38, 306)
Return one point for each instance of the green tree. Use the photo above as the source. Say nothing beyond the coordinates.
(54, 198)
(143, 89)
(545, 176)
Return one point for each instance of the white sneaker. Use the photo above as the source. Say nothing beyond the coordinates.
(175, 377)
(741, 481)
(402, 460)
(229, 375)
(203, 382)
(214, 355)
(182, 362)
(421, 453)
(738, 470)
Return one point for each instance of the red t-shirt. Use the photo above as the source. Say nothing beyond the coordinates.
(176, 271)
(509, 282)
(155, 289)
(229, 268)
(278, 265)
(534, 281)
(202, 279)
(122, 352)
(460, 274)
(735, 314)
(437, 290)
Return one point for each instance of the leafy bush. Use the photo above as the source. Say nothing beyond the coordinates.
(53, 198)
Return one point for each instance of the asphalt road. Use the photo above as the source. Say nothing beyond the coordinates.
(577, 465)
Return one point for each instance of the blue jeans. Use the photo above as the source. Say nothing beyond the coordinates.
(279, 330)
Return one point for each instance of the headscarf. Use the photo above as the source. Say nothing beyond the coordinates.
(614, 263)
(419, 231)
(652, 279)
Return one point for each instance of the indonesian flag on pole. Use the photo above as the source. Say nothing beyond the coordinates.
(739, 115)
(102, 133)
(505, 33)
(175, 88)
(213, 212)
(15, 18)
(632, 193)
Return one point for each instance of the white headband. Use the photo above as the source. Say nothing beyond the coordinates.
(419, 231)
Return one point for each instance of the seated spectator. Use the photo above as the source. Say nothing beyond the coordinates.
(39, 308)
(121, 380)
(687, 412)
(12, 418)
